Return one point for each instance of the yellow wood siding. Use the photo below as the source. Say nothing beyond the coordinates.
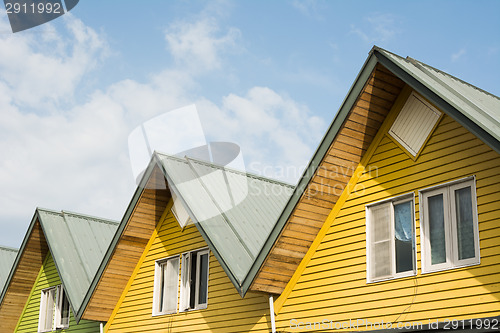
(226, 311)
(333, 285)
(48, 277)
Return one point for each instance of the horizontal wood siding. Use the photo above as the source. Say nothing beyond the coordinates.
(333, 285)
(326, 185)
(148, 210)
(226, 311)
(48, 277)
(25, 274)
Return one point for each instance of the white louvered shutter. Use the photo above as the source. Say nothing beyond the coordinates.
(380, 241)
(414, 123)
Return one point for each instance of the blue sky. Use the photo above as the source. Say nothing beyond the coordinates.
(267, 75)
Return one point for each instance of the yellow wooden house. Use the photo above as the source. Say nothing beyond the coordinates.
(395, 223)
(184, 252)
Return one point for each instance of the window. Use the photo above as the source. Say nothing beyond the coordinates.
(449, 226)
(54, 309)
(166, 285)
(194, 283)
(414, 123)
(194, 280)
(390, 238)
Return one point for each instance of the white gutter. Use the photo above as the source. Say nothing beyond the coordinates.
(271, 311)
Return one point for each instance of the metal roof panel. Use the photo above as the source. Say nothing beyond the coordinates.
(7, 257)
(234, 209)
(77, 243)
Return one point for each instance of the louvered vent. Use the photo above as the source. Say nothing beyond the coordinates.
(414, 123)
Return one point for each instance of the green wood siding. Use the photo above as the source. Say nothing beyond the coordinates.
(48, 277)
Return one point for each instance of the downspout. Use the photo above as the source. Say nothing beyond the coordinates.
(101, 327)
(271, 311)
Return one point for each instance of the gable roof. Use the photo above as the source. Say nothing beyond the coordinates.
(7, 257)
(351, 132)
(77, 243)
(474, 108)
(235, 224)
(234, 211)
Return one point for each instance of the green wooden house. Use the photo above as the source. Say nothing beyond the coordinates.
(52, 271)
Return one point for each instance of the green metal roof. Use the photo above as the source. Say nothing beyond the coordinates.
(77, 243)
(234, 211)
(475, 109)
(7, 257)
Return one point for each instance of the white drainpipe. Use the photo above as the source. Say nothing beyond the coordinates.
(101, 328)
(271, 310)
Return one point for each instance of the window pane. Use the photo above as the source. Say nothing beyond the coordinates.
(192, 282)
(65, 311)
(465, 228)
(381, 222)
(436, 229)
(171, 280)
(382, 265)
(403, 225)
(203, 286)
(185, 282)
(49, 308)
(380, 241)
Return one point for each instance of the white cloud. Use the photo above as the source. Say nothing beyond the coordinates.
(59, 154)
(198, 46)
(274, 131)
(458, 55)
(310, 8)
(377, 28)
(44, 69)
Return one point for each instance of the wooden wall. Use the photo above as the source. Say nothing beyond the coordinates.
(18, 291)
(48, 277)
(333, 284)
(332, 175)
(146, 212)
(226, 311)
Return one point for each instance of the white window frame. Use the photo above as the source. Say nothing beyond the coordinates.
(450, 225)
(185, 280)
(56, 294)
(158, 280)
(409, 197)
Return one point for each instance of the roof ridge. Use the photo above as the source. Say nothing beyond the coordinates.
(245, 173)
(408, 58)
(80, 215)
